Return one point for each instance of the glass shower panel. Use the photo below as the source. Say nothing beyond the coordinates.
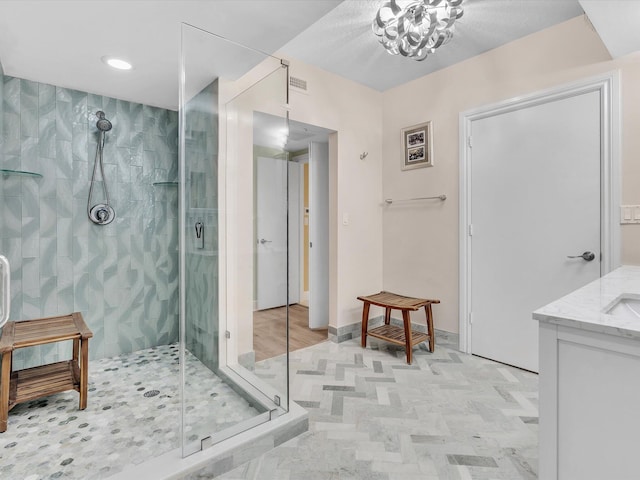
(257, 233)
(218, 401)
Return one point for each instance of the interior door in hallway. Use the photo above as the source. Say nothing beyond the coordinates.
(276, 232)
(535, 201)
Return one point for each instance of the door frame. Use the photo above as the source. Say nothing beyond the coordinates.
(301, 160)
(319, 216)
(294, 229)
(608, 85)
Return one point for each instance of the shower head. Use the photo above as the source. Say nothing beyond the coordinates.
(103, 124)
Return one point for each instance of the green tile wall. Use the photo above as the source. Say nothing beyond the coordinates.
(123, 277)
(201, 278)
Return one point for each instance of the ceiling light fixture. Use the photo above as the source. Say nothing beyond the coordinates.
(117, 63)
(418, 27)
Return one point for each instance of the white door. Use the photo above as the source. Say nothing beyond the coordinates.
(319, 235)
(271, 233)
(272, 198)
(535, 200)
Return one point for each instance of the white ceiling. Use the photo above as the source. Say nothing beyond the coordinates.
(61, 41)
(342, 41)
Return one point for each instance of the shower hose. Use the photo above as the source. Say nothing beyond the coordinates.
(100, 213)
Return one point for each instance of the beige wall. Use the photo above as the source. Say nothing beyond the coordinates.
(421, 241)
(355, 186)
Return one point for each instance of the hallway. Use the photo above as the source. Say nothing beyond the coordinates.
(269, 328)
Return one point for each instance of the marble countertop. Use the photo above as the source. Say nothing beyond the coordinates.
(585, 308)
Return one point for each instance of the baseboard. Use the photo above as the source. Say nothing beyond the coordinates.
(345, 332)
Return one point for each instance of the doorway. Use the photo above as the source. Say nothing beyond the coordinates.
(538, 177)
(298, 160)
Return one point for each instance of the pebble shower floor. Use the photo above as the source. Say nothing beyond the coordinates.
(132, 415)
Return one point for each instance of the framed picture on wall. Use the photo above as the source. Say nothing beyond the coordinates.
(417, 146)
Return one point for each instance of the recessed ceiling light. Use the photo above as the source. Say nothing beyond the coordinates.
(117, 63)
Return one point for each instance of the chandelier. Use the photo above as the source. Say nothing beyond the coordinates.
(418, 28)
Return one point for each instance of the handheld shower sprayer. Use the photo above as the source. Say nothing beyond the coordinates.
(103, 124)
(100, 213)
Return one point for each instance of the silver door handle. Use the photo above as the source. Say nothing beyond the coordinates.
(587, 256)
(263, 241)
(5, 284)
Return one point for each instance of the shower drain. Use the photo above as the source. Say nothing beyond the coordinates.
(151, 393)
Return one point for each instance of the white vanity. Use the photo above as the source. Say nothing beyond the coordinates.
(590, 381)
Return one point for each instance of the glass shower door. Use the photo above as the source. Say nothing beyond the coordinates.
(221, 82)
(257, 188)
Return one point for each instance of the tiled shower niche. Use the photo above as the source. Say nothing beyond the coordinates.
(123, 277)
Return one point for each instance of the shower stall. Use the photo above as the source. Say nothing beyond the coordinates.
(164, 269)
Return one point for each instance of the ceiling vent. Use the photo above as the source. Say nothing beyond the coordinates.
(298, 84)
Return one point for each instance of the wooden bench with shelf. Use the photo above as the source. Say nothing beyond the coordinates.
(397, 335)
(31, 383)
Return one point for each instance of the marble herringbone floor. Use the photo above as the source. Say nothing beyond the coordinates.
(373, 417)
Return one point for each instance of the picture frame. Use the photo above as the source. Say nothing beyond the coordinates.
(417, 146)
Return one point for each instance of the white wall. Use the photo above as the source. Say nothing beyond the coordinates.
(421, 242)
(355, 186)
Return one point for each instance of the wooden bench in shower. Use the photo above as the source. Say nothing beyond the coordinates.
(31, 383)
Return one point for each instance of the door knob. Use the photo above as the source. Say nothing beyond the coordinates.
(263, 241)
(587, 256)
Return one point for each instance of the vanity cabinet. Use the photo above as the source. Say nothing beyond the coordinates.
(589, 405)
(589, 382)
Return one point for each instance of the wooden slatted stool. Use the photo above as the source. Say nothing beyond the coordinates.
(31, 383)
(390, 333)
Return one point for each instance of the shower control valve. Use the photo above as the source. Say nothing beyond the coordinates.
(102, 214)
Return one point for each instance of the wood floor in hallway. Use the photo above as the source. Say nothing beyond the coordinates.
(269, 338)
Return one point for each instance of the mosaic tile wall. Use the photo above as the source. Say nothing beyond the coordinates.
(123, 277)
(201, 256)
